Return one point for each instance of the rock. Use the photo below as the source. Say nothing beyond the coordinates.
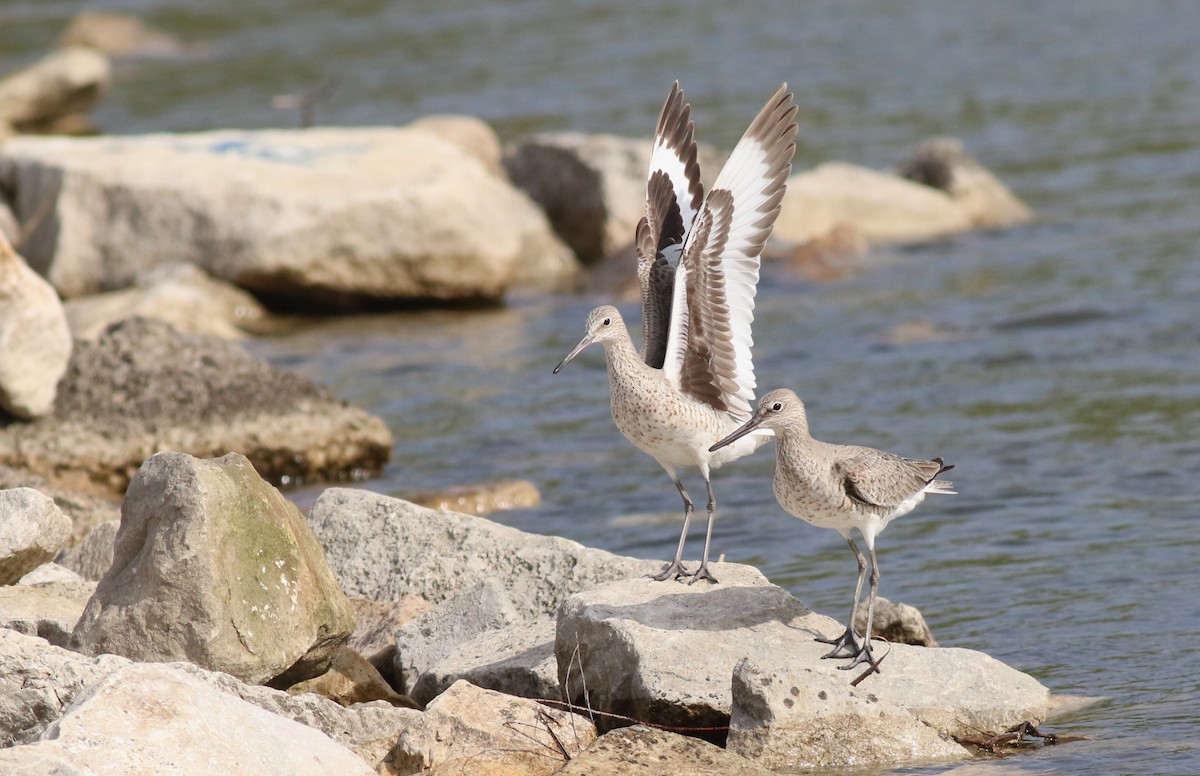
(185, 727)
(119, 35)
(50, 573)
(213, 566)
(340, 218)
(32, 531)
(643, 751)
(86, 510)
(592, 187)
(37, 681)
(481, 499)
(65, 83)
(790, 717)
(427, 638)
(374, 634)
(47, 609)
(144, 387)
(349, 680)
(515, 660)
(943, 163)
(92, 558)
(638, 645)
(36, 761)
(635, 644)
(883, 208)
(180, 294)
(34, 338)
(837, 254)
(472, 135)
(384, 548)
(898, 623)
(367, 729)
(478, 728)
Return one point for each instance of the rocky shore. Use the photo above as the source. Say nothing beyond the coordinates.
(224, 622)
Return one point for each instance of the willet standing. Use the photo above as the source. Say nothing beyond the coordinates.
(698, 260)
(840, 487)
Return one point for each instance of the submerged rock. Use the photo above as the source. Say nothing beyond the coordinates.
(213, 566)
(144, 387)
(328, 217)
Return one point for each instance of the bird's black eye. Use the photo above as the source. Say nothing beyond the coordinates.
(776, 407)
(607, 321)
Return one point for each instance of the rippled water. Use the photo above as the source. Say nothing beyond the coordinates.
(1062, 377)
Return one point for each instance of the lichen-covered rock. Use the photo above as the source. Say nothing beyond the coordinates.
(34, 338)
(144, 387)
(213, 566)
(32, 531)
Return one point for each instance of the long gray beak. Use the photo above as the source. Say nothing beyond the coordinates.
(746, 428)
(583, 343)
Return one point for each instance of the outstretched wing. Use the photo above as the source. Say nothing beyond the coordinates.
(673, 197)
(708, 352)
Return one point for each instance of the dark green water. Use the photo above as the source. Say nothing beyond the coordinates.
(1066, 387)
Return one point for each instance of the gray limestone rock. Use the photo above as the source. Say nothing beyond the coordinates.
(32, 531)
(35, 342)
(144, 387)
(515, 660)
(383, 548)
(92, 557)
(791, 717)
(665, 653)
(643, 751)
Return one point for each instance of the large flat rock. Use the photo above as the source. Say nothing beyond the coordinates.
(383, 548)
(320, 217)
(666, 652)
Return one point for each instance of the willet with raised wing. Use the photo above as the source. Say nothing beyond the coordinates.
(698, 261)
(842, 487)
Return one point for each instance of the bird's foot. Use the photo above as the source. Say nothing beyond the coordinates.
(863, 655)
(673, 570)
(845, 645)
(702, 573)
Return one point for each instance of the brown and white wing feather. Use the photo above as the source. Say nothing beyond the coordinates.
(722, 262)
(673, 197)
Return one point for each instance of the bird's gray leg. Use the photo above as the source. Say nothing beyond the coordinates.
(703, 572)
(864, 652)
(675, 569)
(847, 645)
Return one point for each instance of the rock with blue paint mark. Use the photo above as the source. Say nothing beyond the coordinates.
(317, 218)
